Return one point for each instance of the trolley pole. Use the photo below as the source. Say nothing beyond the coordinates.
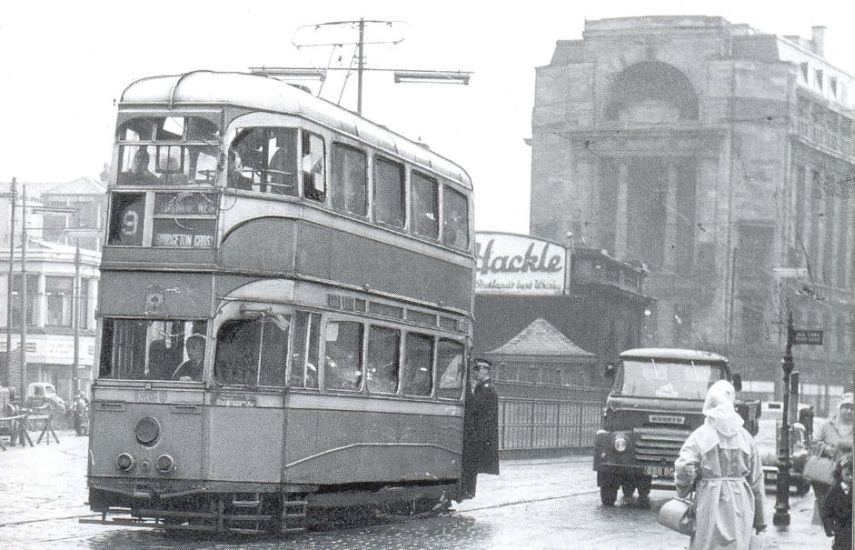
(782, 502)
(360, 66)
(13, 196)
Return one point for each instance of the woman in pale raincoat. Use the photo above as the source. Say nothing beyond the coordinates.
(833, 440)
(720, 463)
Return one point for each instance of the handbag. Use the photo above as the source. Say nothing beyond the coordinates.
(819, 468)
(678, 514)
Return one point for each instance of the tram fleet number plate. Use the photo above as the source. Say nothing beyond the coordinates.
(659, 471)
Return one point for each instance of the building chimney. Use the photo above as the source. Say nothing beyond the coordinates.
(818, 39)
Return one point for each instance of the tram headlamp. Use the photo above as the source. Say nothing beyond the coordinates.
(620, 443)
(165, 463)
(125, 462)
(147, 431)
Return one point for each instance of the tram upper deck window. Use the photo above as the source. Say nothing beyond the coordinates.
(455, 230)
(418, 365)
(389, 196)
(163, 349)
(254, 351)
(450, 363)
(425, 206)
(383, 359)
(182, 150)
(264, 160)
(349, 180)
(312, 167)
(343, 362)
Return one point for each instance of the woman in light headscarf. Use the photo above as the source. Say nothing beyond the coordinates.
(720, 463)
(833, 440)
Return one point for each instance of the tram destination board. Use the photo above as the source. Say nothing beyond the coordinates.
(807, 337)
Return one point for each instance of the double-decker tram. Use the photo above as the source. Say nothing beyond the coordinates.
(285, 311)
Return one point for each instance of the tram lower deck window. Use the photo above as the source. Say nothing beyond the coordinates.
(253, 352)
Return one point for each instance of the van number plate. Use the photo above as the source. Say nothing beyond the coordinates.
(667, 419)
(659, 471)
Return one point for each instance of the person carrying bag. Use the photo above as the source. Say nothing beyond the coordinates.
(833, 440)
(679, 514)
(720, 461)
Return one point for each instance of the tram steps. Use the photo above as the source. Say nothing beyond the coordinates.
(294, 514)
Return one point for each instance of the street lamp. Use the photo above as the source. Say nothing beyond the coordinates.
(782, 500)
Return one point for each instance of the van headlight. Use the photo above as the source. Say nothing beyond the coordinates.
(620, 443)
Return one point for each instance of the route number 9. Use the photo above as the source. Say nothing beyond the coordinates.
(130, 223)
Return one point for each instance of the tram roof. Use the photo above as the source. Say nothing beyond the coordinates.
(268, 94)
(673, 353)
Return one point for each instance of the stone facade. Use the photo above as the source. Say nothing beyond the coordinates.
(722, 158)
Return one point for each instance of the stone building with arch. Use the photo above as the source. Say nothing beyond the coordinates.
(721, 157)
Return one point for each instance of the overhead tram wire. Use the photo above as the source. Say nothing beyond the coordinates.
(401, 75)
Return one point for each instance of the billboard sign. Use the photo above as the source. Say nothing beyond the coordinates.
(518, 264)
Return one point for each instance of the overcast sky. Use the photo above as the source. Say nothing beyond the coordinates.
(63, 65)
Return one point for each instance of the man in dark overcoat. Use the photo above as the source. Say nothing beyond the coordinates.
(481, 429)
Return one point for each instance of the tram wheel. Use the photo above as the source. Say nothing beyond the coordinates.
(608, 495)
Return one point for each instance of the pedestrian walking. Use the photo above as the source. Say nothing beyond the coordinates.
(834, 440)
(837, 506)
(720, 464)
(481, 429)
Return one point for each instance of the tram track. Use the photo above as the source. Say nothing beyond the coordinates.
(528, 501)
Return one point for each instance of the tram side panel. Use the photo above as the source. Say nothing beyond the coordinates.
(335, 254)
(245, 441)
(338, 439)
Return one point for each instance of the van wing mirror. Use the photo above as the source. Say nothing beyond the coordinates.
(737, 382)
(610, 370)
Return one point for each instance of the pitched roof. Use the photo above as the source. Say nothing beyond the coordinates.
(541, 338)
(80, 186)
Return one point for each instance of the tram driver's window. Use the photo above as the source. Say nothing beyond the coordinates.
(450, 369)
(343, 361)
(455, 225)
(349, 180)
(312, 167)
(304, 352)
(383, 359)
(389, 197)
(425, 206)
(162, 349)
(253, 352)
(418, 365)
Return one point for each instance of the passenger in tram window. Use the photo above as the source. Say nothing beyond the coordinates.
(236, 178)
(281, 173)
(139, 172)
(191, 369)
(342, 370)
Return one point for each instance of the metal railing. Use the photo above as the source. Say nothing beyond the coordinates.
(534, 423)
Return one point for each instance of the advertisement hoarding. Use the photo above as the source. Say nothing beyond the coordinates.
(518, 264)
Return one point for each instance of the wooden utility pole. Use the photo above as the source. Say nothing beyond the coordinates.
(23, 348)
(13, 196)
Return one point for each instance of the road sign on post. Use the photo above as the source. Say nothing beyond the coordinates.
(807, 337)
